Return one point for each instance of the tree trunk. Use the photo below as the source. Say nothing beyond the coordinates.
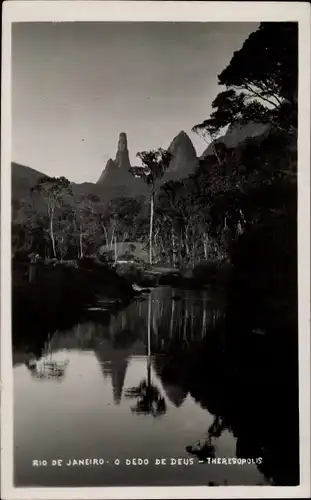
(214, 148)
(81, 244)
(205, 241)
(174, 247)
(172, 319)
(192, 331)
(52, 234)
(115, 250)
(106, 236)
(204, 322)
(149, 326)
(186, 316)
(239, 228)
(155, 319)
(151, 225)
(62, 253)
(112, 238)
(155, 247)
(187, 241)
(149, 372)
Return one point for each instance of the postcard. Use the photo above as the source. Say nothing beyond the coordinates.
(155, 248)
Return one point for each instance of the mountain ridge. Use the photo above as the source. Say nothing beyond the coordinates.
(116, 180)
(236, 134)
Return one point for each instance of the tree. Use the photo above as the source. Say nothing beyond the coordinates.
(261, 81)
(28, 229)
(64, 230)
(266, 66)
(155, 163)
(86, 220)
(53, 190)
(149, 398)
(118, 221)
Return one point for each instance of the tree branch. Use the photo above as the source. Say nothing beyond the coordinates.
(257, 94)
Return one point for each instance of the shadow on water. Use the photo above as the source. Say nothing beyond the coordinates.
(194, 348)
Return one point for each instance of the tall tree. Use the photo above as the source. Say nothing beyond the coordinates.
(118, 222)
(154, 165)
(86, 220)
(53, 191)
(260, 81)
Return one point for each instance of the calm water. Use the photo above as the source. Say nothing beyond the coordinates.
(147, 384)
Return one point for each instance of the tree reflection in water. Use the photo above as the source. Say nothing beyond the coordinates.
(150, 401)
(247, 382)
(46, 368)
(206, 449)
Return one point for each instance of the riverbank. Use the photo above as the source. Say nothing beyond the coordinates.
(54, 289)
(47, 296)
(204, 274)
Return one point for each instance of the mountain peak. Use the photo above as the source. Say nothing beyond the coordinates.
(182, 136)
(236, 134)
(184, 157)
(122, 157)
(182, 133)
(116, 176)
(110, 163)
(122, 144)
(108, 172)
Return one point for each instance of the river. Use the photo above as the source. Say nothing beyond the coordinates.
(152, 383)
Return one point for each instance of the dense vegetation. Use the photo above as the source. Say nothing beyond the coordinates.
(237, 211)
(239, 206)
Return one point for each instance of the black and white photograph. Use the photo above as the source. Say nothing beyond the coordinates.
(154, 336)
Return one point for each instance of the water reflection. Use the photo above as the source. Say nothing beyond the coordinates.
(47, 369)
(148, 396)
(166, 355)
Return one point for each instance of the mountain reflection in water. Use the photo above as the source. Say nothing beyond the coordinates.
(157, 380)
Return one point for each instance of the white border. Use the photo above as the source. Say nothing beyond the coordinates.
(26, 11)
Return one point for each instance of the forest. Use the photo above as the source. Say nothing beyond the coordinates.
(237, 208)
(229, 230)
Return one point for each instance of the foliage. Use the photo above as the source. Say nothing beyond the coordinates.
(215, 214)
(154, 164)
(261, 81)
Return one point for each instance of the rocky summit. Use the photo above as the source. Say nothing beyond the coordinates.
(109, 172)
(237, 134)
(118, 180)
(184, 158)
(122, 157)
(116, 171)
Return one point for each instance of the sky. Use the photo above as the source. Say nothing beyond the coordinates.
(76, 86)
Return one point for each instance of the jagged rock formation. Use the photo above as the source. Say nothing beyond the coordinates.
(122, 156)
(184, 158)
(116, 171)
(117, 179)
(109, 172)
(236, 134)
